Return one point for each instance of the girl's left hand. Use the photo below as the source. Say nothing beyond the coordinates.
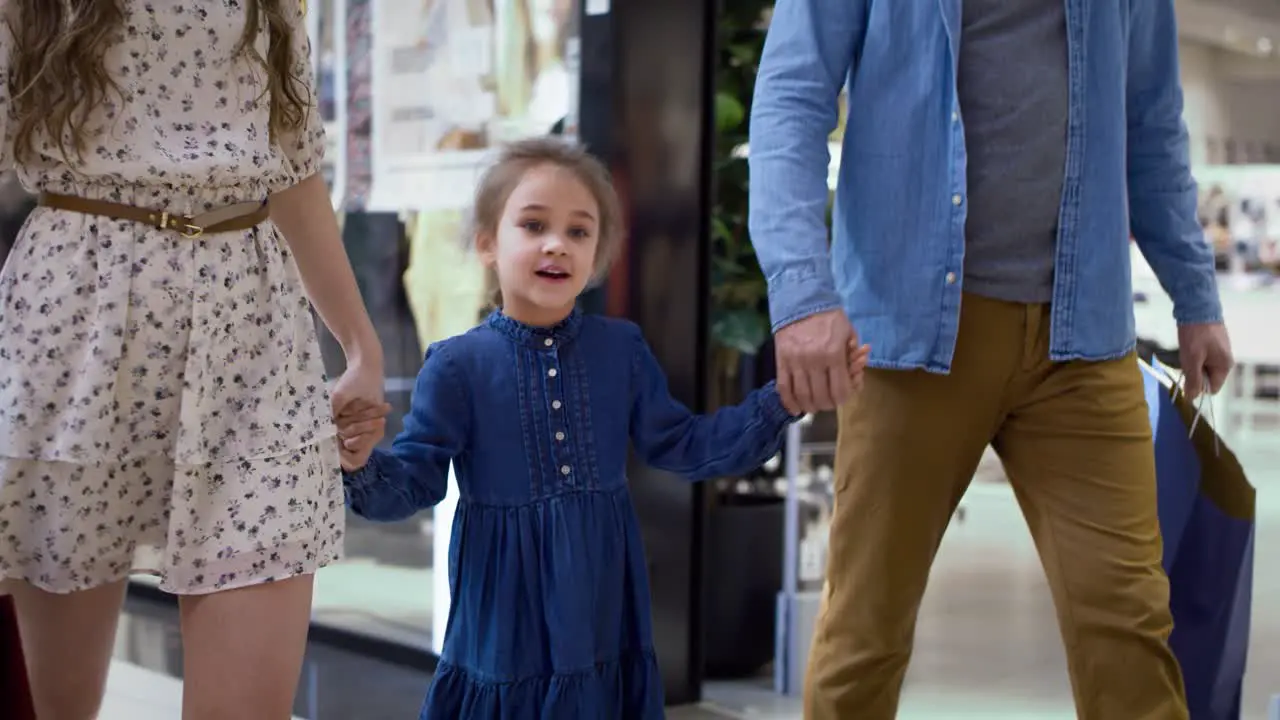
(360, 410)
(858, 357)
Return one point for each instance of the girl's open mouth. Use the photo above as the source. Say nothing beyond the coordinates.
(554, 274)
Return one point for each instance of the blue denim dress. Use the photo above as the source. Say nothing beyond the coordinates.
(550, 598)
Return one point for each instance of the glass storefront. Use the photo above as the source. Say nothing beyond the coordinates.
(416, 94)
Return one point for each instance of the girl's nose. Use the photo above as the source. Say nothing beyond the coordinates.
(553, 244)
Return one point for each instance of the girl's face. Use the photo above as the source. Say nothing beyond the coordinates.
(545, 248)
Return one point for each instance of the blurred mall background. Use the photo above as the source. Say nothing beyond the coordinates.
(416, 94)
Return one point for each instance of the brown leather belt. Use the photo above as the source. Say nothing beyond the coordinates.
(241, 216)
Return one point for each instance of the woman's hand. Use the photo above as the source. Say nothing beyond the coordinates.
(360, 411)
(304, 214)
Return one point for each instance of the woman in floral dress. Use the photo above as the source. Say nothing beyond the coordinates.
(163, 408)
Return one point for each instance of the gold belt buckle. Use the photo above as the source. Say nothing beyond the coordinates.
(181, 224)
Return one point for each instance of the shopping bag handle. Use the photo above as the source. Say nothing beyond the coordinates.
(1199, 405)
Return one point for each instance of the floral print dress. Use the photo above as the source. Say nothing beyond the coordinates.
(163, 407)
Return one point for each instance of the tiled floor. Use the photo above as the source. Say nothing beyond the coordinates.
(135, 693)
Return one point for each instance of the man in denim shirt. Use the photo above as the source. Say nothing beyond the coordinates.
(997, 156)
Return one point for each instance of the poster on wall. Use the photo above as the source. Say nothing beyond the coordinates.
(357, 98)
(451, 80)
(448, 81)
(329, 59)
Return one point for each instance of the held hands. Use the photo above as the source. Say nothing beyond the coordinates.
(360, 411)
(820, 362)
(858, 355)
(1204, 351)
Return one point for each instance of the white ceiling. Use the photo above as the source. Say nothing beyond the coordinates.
(1260, 8)
(1246, 31)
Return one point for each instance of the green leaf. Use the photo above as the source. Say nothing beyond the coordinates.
(739, 294)
(741, 330)
(729, 112)
(745, 54)
(720, 230)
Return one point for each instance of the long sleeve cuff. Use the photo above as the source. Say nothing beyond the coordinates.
(800, 291)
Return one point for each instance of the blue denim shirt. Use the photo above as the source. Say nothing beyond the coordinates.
(895, 262)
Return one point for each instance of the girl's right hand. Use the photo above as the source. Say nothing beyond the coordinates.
(361, 426)
(858, 356)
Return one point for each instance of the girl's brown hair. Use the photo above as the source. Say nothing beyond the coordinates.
(518, 158)
(57, 76)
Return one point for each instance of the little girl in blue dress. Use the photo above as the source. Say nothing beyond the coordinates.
(535, 409)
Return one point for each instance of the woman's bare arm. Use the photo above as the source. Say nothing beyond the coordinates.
(304, 214)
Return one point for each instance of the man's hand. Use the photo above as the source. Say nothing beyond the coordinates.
(1204, 351)
(813, 362)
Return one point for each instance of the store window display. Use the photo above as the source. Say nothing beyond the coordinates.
(1240, 210)
(432, 88)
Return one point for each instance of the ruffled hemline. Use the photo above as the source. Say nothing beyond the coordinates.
(198, 530)
(629, 688)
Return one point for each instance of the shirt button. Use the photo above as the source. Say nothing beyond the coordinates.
(548, 342)
(560, 436)
(955, 116)
(951, 278)
(564, 469)
(956, 199)
(555, 404)
(552, 372)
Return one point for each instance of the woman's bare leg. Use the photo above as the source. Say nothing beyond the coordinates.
(67, 641)
(242, 650)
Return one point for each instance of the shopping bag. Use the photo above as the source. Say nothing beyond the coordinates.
(15, 695)
(1207, 513)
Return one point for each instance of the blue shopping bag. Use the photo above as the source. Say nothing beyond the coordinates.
(1207, 511)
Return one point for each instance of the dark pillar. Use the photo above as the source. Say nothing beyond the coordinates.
(15, 695)
(646, 108)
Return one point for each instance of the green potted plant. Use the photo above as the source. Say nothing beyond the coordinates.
(739, 296)
(746, 517)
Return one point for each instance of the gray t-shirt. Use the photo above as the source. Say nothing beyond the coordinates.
(1013, 92)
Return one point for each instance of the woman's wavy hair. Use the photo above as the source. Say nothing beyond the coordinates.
(57, 76)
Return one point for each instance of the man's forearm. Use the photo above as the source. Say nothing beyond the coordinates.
(1162, 193)
(804, 65)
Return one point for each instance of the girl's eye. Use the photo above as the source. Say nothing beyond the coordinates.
(533, 226)
(580, 233)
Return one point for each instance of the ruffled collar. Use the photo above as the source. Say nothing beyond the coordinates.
(535, 335)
